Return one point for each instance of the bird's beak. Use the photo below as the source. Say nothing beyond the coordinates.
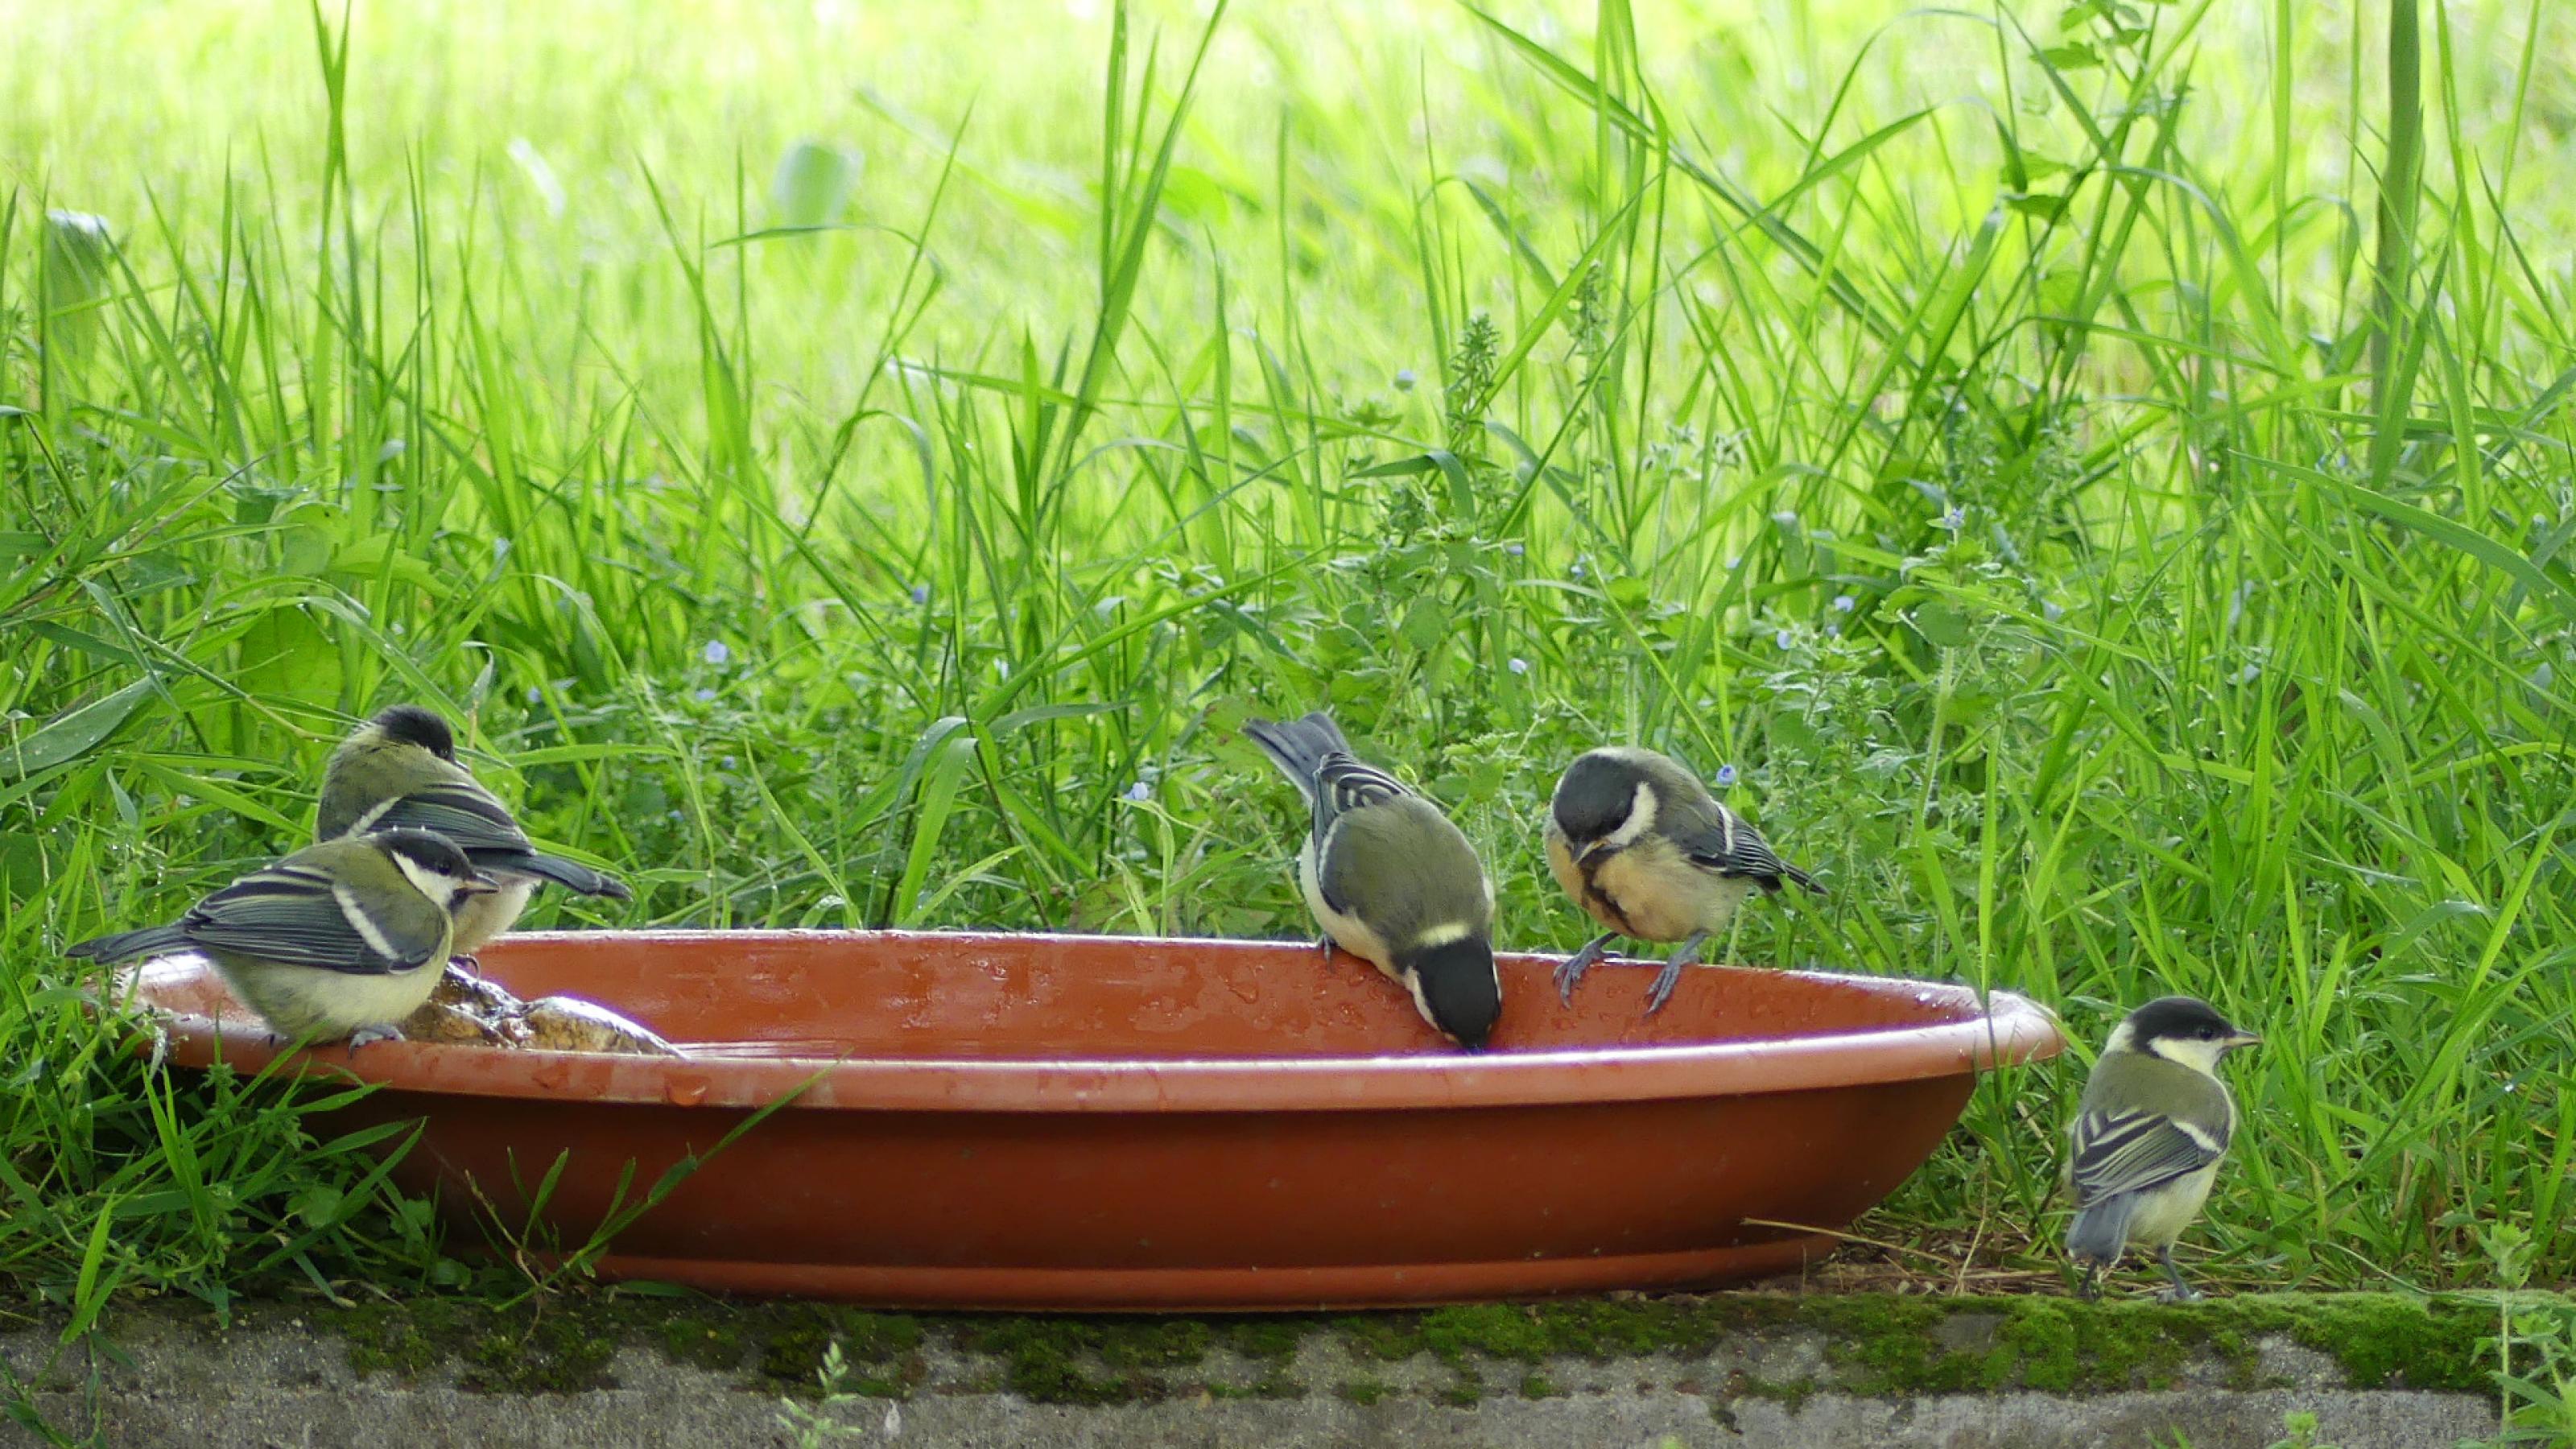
(2241, 1039)
(478, 885)
(1589, 851)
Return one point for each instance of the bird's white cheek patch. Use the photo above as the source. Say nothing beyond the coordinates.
(1413, 983)
(430, 883)
(1641, 818)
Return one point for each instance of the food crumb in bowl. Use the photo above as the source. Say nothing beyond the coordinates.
(468, 1010)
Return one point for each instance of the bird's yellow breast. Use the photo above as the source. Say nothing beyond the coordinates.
(1654, 893)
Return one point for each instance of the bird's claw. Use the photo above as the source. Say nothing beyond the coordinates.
(1686, 954)
(2179, 1293)
(370, 1035)
(1569, 972)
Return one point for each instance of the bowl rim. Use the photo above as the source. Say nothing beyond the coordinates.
(2011, 1029)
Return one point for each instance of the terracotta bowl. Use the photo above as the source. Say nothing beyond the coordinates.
(1008, 1121)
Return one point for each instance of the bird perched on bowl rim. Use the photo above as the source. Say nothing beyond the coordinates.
(1647, 851)
(399, 771)
(2148, 1135)
(1390, 879)
(344, 938)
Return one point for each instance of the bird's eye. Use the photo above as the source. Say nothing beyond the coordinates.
(2209, 1033)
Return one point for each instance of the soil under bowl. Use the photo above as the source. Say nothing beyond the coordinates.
(1062, 1122)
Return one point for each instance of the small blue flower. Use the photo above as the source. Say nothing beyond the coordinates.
(716, 653)
(2051, 610)
(1955, 518)
(1725, 776)
(1784, 639)
(1514, 549)
(921, 593)
(1575, 569)
(535, 694)
(1404, 380)
(705, 696)
(1520, 666)
(1833, 631)
(1140, 791)
(1844, 603)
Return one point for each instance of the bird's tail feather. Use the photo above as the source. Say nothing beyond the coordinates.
(570, 874)
(1298, 746)
(126, 945)
(2100, 1233)
(1801, 877)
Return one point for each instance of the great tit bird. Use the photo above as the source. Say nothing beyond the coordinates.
(399, 771)
(2154, 1121)
(1390, 879)
(1645, 849)
(344, 938)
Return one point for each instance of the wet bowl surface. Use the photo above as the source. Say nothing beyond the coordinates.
(1013, 1121)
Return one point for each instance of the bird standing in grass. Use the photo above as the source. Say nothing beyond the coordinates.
(399, 771)
(344, 938)
(2148, 1135)
(1390, 879)
(1641, 845)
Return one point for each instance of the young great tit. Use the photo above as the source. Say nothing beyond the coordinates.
(1645, 850)
(2154, 1121)
(399, 771)
(1390, 879)
(344, 938)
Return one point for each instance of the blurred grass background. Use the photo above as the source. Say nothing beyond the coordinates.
(2097, 475)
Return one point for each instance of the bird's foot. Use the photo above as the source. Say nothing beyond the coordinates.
(1324, 948)
(2090, 1290)
(1686, 954)
(1569, 972)
(370, 1035)
(2180, 1292)
(470, 965)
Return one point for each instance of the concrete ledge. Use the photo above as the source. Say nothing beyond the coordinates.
(1736, 1370)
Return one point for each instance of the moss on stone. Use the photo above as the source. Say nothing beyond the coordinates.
(1536, 1385)
(1872, 1344)
(1048, 1360)
(1364, 1391)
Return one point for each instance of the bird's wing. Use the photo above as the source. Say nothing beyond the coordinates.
(1716, 838)
(1400, 866)
(1343, 784)
(461, 810)
(297, 915)
(2134, 1150)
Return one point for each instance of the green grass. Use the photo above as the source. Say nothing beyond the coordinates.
(2115, 547)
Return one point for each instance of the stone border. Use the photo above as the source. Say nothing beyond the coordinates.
(2380, 1371)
